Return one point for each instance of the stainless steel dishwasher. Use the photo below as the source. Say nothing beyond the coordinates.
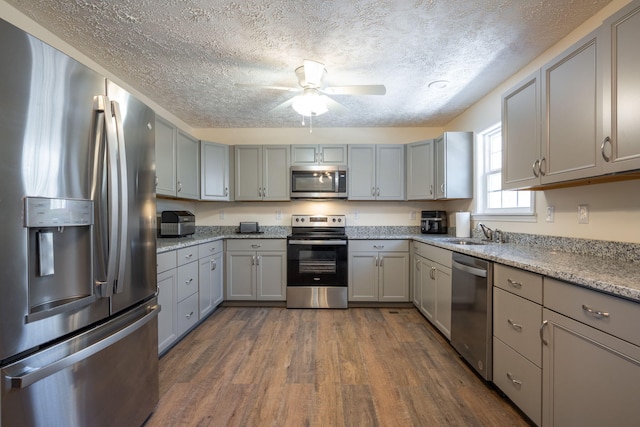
(471, 311)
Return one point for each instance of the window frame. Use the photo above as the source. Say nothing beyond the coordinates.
(482, 163)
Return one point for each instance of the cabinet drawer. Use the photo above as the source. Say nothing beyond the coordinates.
(619, 318)
(517, 321)
(257, 245)
(207, 249)
(186, 255)
(379, 245)
(187, 280)
(434, 253)
(187, 314)
(519, 379)
(523, 283)
(166, 261)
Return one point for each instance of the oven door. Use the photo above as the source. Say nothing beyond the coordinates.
(318, 262)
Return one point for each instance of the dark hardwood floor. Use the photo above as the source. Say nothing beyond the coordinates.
(247, 366)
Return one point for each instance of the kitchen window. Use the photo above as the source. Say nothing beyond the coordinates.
(491, 200)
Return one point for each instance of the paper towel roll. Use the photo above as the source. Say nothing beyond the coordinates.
(463, 224)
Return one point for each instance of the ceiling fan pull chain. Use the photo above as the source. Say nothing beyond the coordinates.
(310, 124)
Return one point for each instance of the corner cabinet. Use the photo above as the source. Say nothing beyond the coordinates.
(305, 155)
(376, 172)
(379, 270)
(432, 285)
(262, 172)
(620, 62)
(177, 162)
(216, 176)
(256, 269)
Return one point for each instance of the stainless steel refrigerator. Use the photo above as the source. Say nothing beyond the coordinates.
(78, 313)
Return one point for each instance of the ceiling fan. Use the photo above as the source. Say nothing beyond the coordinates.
(314, 100)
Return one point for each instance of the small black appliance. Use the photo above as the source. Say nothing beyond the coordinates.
(433, 222)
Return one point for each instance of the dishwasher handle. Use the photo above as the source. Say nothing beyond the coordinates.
(469, 269)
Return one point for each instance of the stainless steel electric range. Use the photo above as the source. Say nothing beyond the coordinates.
(317, 262)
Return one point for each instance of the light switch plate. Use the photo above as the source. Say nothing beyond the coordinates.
(551, 213)
(583, 214)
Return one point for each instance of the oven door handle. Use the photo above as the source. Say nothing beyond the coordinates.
(319, 242)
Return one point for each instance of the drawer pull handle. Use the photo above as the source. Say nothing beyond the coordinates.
(256, 246)
(544, 323)
(378, 246)
(516, 326)
(188, 256)
(596, 313)
(514, 283)
(188, 282)
(188, 316)
(515, 382)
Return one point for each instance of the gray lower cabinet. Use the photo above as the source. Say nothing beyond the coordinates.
(210, 276)
(187, 288)
(432, 285)
(379, 270)
(167, 299)
(591, 357)
(256, 269)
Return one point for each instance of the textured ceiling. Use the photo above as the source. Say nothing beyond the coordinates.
(188, 55)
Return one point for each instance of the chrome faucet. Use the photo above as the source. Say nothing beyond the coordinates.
(499, 235)
(488, 233)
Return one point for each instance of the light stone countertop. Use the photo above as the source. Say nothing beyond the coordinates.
(610, 267)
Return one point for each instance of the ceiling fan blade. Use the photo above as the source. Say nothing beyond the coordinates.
(284, 105)
(356, 90)
(313, 72)
(333, 105)
(285, 88)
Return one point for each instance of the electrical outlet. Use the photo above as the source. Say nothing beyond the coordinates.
(583, 214)
(551, 213)
(221, 215)
(356, 215)
(413, 215)
(278, 215)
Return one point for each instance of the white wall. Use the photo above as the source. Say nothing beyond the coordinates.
(614, 207)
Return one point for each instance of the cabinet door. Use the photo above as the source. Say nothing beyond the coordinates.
(166, 176)
(333, 154)
(521, 134)
(454, 165)
(205, 285)
(188, 166)
(304, 155)
(363, 276)
(394, 276)
(167, 318)
(443, 299)
(621, 90)
(271, 276)
(571, 102)
(214, 160)
(589, 378)
(248, 172)
(241, 276)
(276, 179)
(428, 297)
(420, 171)
(390, 178)
(362, 172)
(217, 279)
(416, 285)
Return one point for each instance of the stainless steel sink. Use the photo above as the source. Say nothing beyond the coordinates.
(458, 241)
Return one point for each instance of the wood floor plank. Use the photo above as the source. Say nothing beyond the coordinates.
(261, 366)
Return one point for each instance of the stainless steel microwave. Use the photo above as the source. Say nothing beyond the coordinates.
(318, 182)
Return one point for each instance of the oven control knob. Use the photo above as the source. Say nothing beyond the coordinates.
(339, 219)
(302, 219)
(297, 219)
(334, 220)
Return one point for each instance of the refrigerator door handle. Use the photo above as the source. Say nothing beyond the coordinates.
(34, 374)
(123, 214)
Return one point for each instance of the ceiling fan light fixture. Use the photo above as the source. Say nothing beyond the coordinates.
(310, 103)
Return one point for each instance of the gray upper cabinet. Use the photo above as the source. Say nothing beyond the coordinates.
(262, 172)
(570, 104)
(454, 165)
(420, 176)
(521, 134)
(620, 62)
(188, 166)
(166, 176)
(177, 162)
(215, 172)
(329, 154)
(376, 172)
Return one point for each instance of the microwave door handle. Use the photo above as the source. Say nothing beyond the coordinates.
(123, 214)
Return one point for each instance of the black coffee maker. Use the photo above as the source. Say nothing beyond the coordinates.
(433, 222)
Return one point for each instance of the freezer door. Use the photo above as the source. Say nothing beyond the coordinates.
(135, 128)
(107, 376)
